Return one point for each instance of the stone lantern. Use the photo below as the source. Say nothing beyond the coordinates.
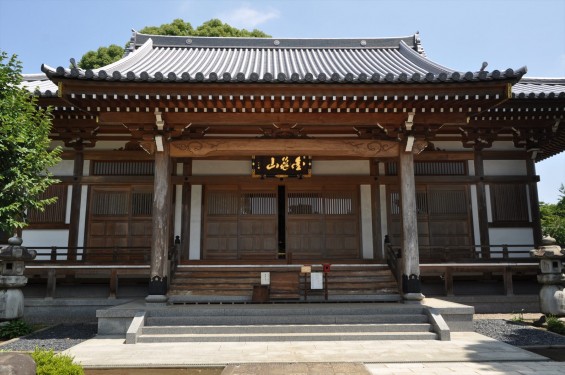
(552, 278)
(12, 265)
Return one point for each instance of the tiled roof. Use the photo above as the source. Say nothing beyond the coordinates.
(202, 59)
(39, 84)
(539, 88)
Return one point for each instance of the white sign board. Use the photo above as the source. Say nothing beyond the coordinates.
(265, 278)
(316, 280)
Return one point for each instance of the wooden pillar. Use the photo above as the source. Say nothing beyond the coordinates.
(75, 205)
(482, 206)
(534, 203)
(162, 213)
(185, 220)
(411, 287)
(376, 210)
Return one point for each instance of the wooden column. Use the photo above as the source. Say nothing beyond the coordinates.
(185, 215)
(376, 209)
(482, 206)
(534, 203)
(411, 287)
(162, 213)
(75, 205)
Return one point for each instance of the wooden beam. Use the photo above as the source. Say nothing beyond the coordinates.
(310, 147)
(248, 180)
(482, 206)
(75, 205)
(260, 118)
(493, 88)
(534, 203)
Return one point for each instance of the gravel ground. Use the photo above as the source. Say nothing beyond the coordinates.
(58, 338)
(517, 334)
(64, 336)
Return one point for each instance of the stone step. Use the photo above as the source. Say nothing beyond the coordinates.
(284, 319)
(305, 336)
(288, 309)
(285, 328)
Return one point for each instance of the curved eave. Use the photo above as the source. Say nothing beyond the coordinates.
(361, 78)
(40, 85)
(539, 88)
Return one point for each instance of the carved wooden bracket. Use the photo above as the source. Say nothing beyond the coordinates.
(312, 147)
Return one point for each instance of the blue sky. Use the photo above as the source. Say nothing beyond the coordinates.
(459, 34)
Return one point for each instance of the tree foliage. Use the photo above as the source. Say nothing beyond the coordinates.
(101, 57)
(24, 148)
(553, 218)
(214, 27)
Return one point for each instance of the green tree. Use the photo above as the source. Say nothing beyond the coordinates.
(107, 55)
(553, 218)
(101, 57)
(24, 148)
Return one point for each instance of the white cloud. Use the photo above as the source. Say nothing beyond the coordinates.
(247, 17)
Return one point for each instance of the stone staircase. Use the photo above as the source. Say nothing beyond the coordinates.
(287, 322)
(193, 283)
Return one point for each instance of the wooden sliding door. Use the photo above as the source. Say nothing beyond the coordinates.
(240, 223)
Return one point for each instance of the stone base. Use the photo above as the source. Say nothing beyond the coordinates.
(17, 364)
(413, 297)
(156, 299)
(11, 304)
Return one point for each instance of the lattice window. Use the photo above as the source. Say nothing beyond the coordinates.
(421, 203)
(110, 203)
(509, 203)
(302, 203)
(431, 168)
(339, 202)
(123, 168)
(222, 202)
(142, 203)
(54, 213)
(258, 204)
(446, 202)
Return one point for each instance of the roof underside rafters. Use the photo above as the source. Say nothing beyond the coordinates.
(298, 88)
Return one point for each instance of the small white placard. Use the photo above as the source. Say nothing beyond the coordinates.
(316, 280)
(265, 278)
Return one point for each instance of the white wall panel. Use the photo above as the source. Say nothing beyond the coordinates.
(505, 167)
(338, 167)
(63, 168)
(221, 167)
(195, 222)
(366, 222)
(511, 236)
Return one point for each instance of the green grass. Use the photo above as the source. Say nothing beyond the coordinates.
(49, 363)
(15, 328)
(555, 325)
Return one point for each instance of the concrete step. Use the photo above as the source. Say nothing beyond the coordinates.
(315, 309)
(284, 319)
(305, 336)
(285, 328)
(287, 322)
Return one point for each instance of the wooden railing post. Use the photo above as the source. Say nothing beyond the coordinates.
(508, 284)
(53, 253)
(51, 283)
(505, 251)
(113, 283)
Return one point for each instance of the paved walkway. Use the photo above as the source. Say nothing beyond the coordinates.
(466, 353)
